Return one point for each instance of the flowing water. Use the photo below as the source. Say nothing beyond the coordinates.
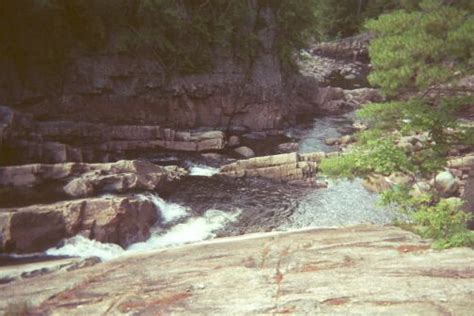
(204, 206)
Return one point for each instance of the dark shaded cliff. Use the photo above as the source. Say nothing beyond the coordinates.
(133, 87)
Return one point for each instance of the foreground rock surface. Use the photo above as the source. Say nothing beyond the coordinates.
(359, 270)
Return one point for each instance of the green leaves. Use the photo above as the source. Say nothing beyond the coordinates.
(414, 50)
(376, 156)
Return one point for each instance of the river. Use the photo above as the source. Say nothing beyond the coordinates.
(204, 206)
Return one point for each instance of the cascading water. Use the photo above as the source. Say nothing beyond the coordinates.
(202, 170)
(204, 206)
(183, 229)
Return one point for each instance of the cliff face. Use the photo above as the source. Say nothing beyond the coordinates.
(119, 88)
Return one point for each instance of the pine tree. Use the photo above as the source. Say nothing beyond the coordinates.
(418, 59)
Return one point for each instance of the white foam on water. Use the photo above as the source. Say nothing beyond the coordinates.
(169, 211)
(79, 246)
(193, 230)
(203, 170)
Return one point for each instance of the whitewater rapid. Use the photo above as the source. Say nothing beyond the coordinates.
(183, 229)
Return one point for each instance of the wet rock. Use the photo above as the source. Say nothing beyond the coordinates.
(120, 220)
(11, 273)
(270, 273)
(245, 151)
(346, 139)
(255, 135)
(213, 156)
(80, 180)
(399, 178)
(288, 147)
(234, 141)
(420, 188)
(446, 183)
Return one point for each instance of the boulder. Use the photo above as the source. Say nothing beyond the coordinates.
(376, 183)
(283, 167)
(420, 188)
(346, 139)
(399, 178)
(446, 183)
(331, 141)
(119, 220)
(81, 180)
(234, 141)
(288, 147)
(245, 151)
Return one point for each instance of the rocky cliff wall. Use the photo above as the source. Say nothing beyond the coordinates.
(119, 88)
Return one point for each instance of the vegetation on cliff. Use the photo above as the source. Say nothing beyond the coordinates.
(418, 56)
(182, 36)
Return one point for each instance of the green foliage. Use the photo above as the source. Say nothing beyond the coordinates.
(182, 36)
(337, 19)
(414, 50)
(296, 23)
(418, 54)
(377, 155)
(442, 220)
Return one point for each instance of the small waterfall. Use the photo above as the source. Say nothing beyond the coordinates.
(169, 212)
(184, 229)
(193, 230)
(202, 170)
(80, 246)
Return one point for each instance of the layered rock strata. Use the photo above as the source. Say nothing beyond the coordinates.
(283, 167)
(25, 140)
(81, 179)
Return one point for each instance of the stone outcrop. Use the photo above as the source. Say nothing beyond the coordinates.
(25, 140)
(120, 220)
(446, 183)
(126, 88)
(283, 167)
(468, 197)
(363, 270)
(334, 100)
(355, 48)
(81, 180)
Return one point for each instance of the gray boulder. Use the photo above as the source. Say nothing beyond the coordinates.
(446, 184)
(245, 151)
